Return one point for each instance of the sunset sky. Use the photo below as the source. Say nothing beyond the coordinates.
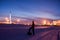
(31, 8)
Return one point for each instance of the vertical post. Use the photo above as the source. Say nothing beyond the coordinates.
(10, 19)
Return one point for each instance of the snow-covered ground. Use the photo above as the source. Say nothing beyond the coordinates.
(20, 33)
(49, 35)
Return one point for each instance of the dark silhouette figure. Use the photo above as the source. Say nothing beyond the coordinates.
(31, 29)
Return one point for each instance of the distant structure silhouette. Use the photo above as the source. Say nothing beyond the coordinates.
(31, 29)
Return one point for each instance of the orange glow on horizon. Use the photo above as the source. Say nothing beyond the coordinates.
(6, 18)
(26, 22)
(18, 20)
(54, 22)
(58, 22)
(44, 22)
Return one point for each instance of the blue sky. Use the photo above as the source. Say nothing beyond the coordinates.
(31, 8)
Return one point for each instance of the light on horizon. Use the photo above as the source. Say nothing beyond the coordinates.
(18, 20)
(44, 22)
(54, 22)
